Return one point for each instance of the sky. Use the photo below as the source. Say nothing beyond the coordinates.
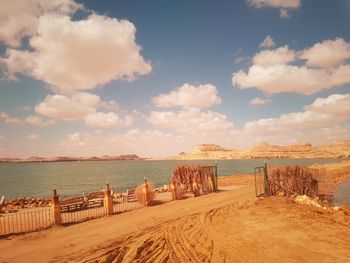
(155, 78)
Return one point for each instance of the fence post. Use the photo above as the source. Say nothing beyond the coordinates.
(145, 192)
(216, 176)
(56, 208)
(173, 190)
(195, 188)
(108, 200)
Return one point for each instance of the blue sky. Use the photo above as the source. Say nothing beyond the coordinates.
(98, 96)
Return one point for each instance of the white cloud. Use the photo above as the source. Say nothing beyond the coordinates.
(272, 72)
(241, 59)
(75, 139)
(321, 121)
(8, 119)
(61, 107)
(32, 136)
(79, 55)
(284, 13)
(19, 18)
(259, 101)
(267, 43)
(191, 121)
(103, 120)
(282, 78)
(336, 105)
(38, 121)
(284, 5)
(293, 120)
(110, 105)
(275, 3)
(145, 143)
(187, 96)
(328, 53)
(282, 55)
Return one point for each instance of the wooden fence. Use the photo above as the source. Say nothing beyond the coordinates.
(187, 181)
(300, 180)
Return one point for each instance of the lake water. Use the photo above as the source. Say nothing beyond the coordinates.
(75, 178)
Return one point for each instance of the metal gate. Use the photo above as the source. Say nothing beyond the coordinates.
(261, 180)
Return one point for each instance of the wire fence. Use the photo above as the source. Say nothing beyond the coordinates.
(24, 222)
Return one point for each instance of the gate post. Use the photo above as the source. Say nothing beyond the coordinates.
(266, 180)
(145, 191)
(56, 208)
(108, 200)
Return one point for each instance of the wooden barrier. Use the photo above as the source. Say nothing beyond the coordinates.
(73, 204)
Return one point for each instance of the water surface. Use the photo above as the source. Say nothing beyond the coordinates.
(76, 178)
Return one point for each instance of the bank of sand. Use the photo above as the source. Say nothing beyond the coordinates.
(229, 226)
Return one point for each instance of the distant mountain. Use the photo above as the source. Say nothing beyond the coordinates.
(72, 159)
(339, 149)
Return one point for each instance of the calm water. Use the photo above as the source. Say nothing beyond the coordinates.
(342, 193)
(75, 178)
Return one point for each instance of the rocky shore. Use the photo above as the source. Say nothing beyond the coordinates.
(16, 204)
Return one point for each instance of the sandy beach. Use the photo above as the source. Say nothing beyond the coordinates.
(230, 226)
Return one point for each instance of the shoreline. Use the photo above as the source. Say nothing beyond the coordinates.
(175, 159)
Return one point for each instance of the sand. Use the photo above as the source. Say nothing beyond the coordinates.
(229, 226)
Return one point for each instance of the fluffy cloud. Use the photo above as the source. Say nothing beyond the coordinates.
(8, 119)
(32, 136)
(284, 13)
(284, 5)
(282, 55)
(275, 3)
(328, 53)
(107, 120)
(75, 107)
(272, 73)
(72, 55)
(336, 105)
(110, 105)
(79, 106)
(19, 18)
(321, 118)
(294, 120)
(259, 101)
(191, 121)
(38, 121)
(187, 96)
(267, 42)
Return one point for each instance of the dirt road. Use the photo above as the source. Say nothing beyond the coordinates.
(230, 226)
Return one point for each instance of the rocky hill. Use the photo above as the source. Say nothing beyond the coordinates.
(340, 149)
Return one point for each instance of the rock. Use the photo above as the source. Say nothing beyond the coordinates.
(305, 200)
